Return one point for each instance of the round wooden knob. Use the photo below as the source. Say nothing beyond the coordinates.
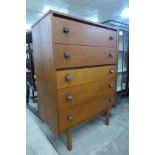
(69, 97)
(111, 54)
(68, 77)
(111, 71)
(66, 29)
(67, 54)
(70, 117)
(111, 85)
(111, 38)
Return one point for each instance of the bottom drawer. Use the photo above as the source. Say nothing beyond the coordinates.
(71, 117)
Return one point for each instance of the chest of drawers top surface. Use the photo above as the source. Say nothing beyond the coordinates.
(67, 16)
(75, 66)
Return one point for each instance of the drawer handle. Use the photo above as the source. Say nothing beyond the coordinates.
(110, 99)
(69, 97)
(111, 71)
(66, 29)
(111, 38)
(111, 54)
(67, 54)
(70, 117)
(111, 85)
(68, 77)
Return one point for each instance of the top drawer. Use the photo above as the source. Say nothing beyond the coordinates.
(71, 32)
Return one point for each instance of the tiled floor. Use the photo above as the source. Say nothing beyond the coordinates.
(90, 138)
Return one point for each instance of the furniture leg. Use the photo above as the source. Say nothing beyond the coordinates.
(69, 139)
(107, 117)
(104, 114)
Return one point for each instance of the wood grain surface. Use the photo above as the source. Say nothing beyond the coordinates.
(84, 75)
(45, 72)
(83, 56)
(82, 94)
(83, 112)
(82, 34)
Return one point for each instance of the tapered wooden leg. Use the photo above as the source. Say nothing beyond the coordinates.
(105, 114)
(107, 117)
(69, 139)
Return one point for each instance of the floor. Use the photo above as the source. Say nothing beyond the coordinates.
(90, 138)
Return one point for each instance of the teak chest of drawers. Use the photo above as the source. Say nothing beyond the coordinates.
(76, 66)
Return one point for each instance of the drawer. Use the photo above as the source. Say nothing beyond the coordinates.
(81, 94)
(66, 56)
(73, 77)
(71, 32)
(72, 117)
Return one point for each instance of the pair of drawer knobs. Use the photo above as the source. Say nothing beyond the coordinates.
(69, 78)
(67, 30)
(68, 54)
(70, 97)
(71, 117)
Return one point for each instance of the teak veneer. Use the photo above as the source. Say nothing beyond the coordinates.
(76, 68)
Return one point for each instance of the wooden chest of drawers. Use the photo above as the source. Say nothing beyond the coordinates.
(76, 66)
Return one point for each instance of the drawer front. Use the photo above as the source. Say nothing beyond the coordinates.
(68, 78)
(66, 56)
(72, 117)
(72, 32)
(81, 94)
